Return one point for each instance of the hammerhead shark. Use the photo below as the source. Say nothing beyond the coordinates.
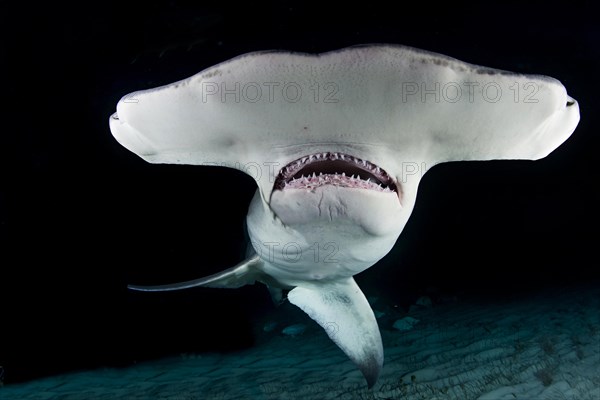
(337, 143)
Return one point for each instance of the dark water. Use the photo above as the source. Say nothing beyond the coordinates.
(80, 216)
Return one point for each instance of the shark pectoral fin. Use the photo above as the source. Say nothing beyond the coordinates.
(342, 310)
(245, 273)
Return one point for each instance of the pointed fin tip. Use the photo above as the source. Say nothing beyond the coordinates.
(341, 305)
(244, 273)
(370, 370)
(162, 288)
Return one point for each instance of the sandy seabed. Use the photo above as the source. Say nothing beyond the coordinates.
(546, 346)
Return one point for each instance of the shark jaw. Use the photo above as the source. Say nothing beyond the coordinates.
(331, 194)
(336, 169)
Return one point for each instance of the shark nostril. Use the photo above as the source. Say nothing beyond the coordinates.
(570, 103)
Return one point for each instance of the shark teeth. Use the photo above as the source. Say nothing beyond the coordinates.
(364, 174)
(312, 182)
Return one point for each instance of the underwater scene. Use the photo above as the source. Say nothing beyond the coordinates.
(295, 201)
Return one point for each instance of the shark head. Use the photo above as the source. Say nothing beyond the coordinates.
(338, 143)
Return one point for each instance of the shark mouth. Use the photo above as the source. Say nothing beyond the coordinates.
(312, 171)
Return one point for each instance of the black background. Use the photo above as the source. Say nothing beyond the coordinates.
(80, 216)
